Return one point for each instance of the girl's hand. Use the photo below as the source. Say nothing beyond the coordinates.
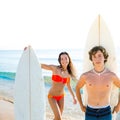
(25, 48)
(74, 101)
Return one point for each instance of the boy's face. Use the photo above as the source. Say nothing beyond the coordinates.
(98, 58)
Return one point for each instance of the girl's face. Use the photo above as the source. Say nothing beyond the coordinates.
(98, 58)
(64, 60)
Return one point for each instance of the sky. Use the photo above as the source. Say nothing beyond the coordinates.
(54, 24)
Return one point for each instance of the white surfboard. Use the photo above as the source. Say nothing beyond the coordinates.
(29, 99)
(99, 35)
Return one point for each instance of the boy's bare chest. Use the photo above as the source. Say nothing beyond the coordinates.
(99, 80)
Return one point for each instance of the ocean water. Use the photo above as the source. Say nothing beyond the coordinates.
(9, 60)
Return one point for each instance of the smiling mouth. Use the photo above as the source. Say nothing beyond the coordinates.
(97, 62)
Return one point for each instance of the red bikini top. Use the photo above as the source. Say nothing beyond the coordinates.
(58, 78)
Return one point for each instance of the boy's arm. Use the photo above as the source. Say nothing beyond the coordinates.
(117, 107)
(79, 85)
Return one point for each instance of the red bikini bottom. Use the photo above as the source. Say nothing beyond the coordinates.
(57, 98)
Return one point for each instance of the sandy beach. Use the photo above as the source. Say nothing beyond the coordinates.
(71, 111)
(6, 110)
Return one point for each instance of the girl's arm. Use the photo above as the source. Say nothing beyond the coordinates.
(48, 67)
(71, 92)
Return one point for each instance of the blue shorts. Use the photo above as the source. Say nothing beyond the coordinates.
(98, 113)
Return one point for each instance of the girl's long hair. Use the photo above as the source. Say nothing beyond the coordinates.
(71, 69)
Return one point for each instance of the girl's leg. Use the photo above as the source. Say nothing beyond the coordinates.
(61, 104)
(55, 108)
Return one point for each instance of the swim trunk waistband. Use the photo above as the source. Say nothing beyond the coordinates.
(98, 112)
(97, 107)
